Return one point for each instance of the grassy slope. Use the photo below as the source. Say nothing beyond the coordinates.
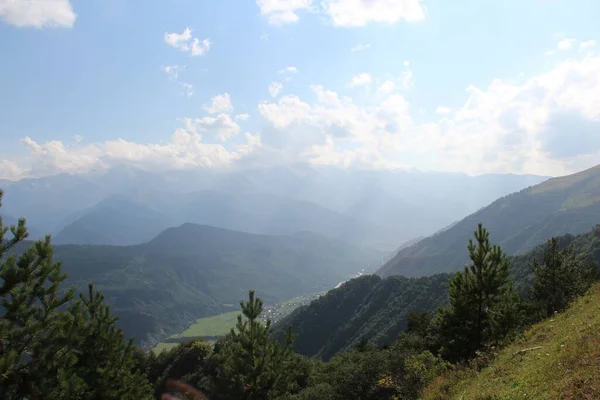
(566, 367)
(210, 326)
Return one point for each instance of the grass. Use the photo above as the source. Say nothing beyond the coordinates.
(163, 346)
(566, 367)
(217, 325)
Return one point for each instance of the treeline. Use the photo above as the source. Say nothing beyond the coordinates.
(63, 346)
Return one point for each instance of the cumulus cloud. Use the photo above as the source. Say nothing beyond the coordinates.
(587, 45)
(362, 79)
(185, 149)
(280, 12)
(291, 70)
(275, 88)
(220, 103)
(350, 13)
(188, 88)
(344, 13)
(10, 170)
(547, 124)
(37, 13)
(222, 125)
(172, 71)
(543, 124)
(566, 44)
(187, 43)
(443, 110)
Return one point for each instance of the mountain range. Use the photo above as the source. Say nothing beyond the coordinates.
(517, 222)
(192, 271)
(136, 218)
(386, 207)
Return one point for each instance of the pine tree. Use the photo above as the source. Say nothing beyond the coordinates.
(559, 278)
(106, 362)
(481, 299)
(50, 346)
(252, 365)
(34, 333)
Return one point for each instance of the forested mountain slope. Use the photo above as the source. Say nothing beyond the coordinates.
(193, 271)
(367, 307)
(517, 222)
(374, 308)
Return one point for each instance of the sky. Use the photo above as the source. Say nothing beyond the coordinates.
(473, 86)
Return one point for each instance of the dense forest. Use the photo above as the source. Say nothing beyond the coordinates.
(65, 345)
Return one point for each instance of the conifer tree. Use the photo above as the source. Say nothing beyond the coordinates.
(481, 299)
(106, 362)
(34, 333)
(560, 277)
(253, 366)
(50, 346)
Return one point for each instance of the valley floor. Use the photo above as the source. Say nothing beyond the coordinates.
(211, 328)
(561, 361)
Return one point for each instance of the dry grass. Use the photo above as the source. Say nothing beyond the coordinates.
(566, 367)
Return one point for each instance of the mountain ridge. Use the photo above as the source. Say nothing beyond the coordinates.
(517, 222)
(194, 271)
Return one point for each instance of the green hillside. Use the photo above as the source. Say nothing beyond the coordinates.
(193, 271)
(558, 358)
(517, 222)
(367, 307)
(375, 308)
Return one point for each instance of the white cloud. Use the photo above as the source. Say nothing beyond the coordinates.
(188, 88)
(587, 45)
(544, 124)
(172, 71)
(443, 110)
(275, 88)
(350, 13)
(37, 13)
(566, 44)
(550, 53)
(187, 43)
(291, 70)
(547, 124)
(346, 13)
(406, 77)
(279, 12)
(222, 125)
(360, 47)
(200, 48)
(221, 103)
(185, 149)
(362, 79)
(10, 170)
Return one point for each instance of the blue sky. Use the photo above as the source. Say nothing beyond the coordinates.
(473, 86)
